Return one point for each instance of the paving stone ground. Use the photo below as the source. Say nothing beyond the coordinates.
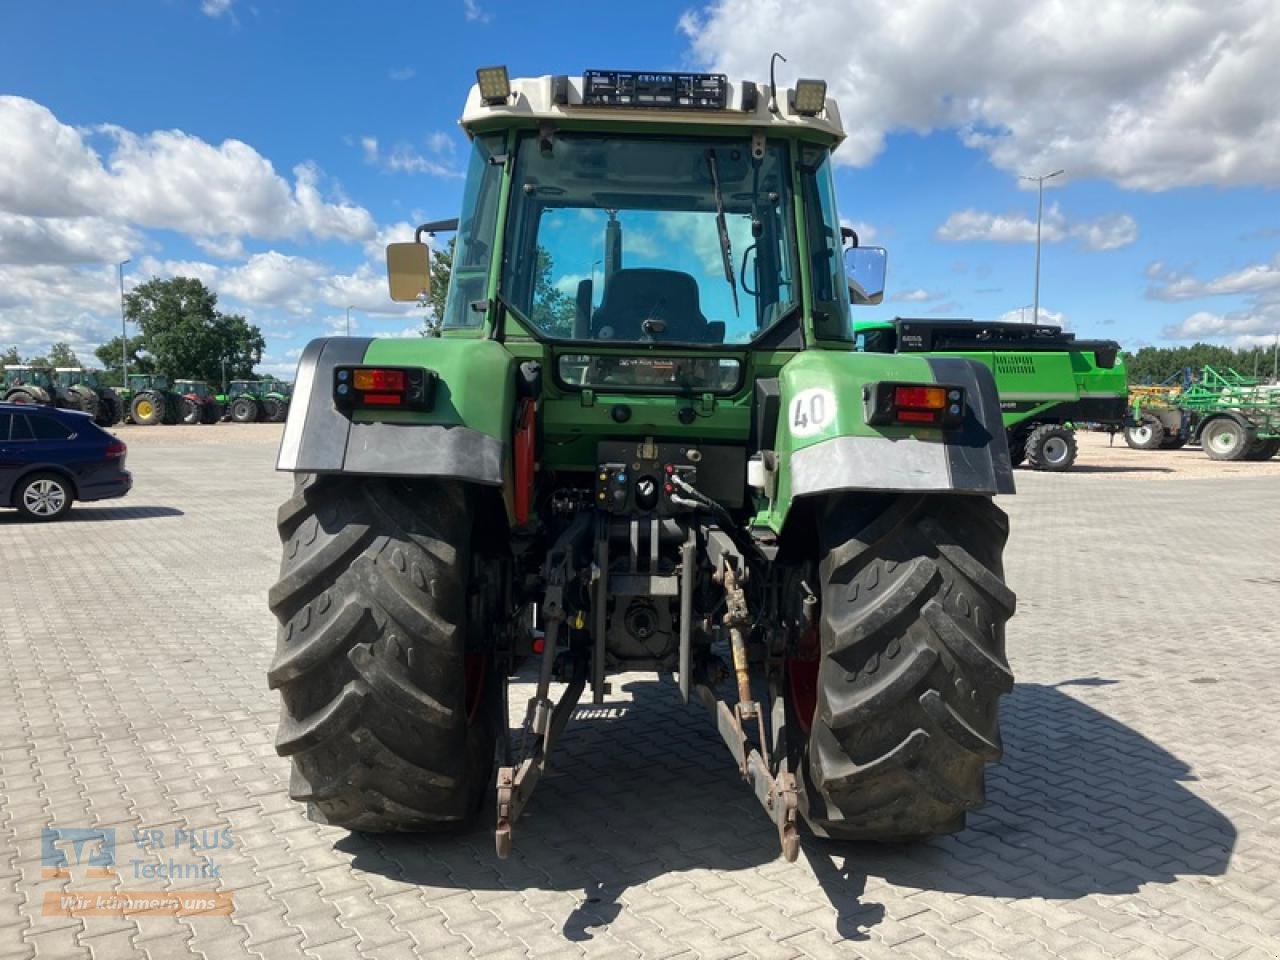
(1136, 812)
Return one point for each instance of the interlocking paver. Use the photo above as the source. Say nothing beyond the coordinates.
(1136, 812)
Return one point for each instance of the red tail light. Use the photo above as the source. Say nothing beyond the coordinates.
(116, 449)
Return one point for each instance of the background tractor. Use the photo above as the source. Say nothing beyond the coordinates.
(197, 402)
(1047, 379)
(677, 466)
(275, 399)
(248, 401)
(150, 400)
(86, 391)
(27, 384)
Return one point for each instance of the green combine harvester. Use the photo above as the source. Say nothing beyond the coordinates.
(678, 465)
(1048, 380)
(1231, 416)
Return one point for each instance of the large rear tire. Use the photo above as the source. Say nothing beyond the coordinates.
(147, 409)
(274, 410)
(384, 730)
(244, 410)
(913, 664)
(192, 412)
(1263, 449)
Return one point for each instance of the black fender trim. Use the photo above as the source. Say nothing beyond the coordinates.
(319, 438)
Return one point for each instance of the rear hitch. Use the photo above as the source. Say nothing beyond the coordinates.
(774, 787)
(543, 723)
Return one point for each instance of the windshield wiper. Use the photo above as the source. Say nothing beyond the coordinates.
(726, 251)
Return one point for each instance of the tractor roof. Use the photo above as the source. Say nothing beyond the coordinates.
(559, 99)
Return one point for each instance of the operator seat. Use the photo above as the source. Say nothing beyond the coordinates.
(644, 293)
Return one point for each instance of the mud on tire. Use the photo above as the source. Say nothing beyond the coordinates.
(913, 665)
(372, 602)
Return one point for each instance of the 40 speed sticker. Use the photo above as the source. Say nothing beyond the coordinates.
(811, 411)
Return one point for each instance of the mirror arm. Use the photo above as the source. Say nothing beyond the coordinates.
(435, 226)
(848, 233)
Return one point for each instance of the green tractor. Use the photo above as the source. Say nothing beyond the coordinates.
(89, 394)
(197, 403)
(150, 399)
(1048, 380)
(276, 395)
(675, 463)
(248, 401)
(27, 384)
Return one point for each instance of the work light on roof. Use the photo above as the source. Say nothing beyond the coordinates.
(809, 98)
(495, 85)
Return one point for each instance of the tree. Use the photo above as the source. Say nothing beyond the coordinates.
(61, 355)
(187, 335)
(1157, 364)
(109, 356)
(552, 310)
(10, 357)
(441, 268)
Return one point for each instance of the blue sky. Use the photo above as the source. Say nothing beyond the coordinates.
(272, 148)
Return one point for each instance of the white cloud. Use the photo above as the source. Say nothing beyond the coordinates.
(217, 8)
(1256, 278)
(1253, 326)
(166, 179)
(1025, 315)
(404, 157)
(402, 73)
(298, 285)
(918, 295)
(1108, 232)
(51, 240)
(474, 12)
(1150, 94)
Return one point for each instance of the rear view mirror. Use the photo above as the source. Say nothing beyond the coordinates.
(864, 268)
(409, 271)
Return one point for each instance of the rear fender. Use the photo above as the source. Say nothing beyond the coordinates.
(465, 436)
(824, 444)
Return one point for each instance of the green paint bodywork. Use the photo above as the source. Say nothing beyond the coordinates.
(1045, 378)
(477, 371)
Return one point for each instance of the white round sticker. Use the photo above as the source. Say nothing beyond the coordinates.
(811, 411)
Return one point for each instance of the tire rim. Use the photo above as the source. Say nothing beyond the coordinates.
(145, 409)
(44, 498)
(1223, 441)
(1055, 450)
(1141, 434)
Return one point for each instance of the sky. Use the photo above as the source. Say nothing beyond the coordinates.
(272, 149)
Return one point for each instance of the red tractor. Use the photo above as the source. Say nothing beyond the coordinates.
(198, 404)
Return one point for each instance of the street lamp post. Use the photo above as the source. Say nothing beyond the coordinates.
(124, 332)
(1039, 181)
(348, 320)
(1022, 312)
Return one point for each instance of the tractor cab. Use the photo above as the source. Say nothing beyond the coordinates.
(193, 388)
(23, 375)
(148, 381)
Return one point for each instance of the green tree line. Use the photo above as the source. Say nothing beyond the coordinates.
(1157, 364)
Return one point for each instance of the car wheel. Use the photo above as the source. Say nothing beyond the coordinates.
(45, 496)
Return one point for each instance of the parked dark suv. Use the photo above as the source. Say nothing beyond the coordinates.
(50, 457)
